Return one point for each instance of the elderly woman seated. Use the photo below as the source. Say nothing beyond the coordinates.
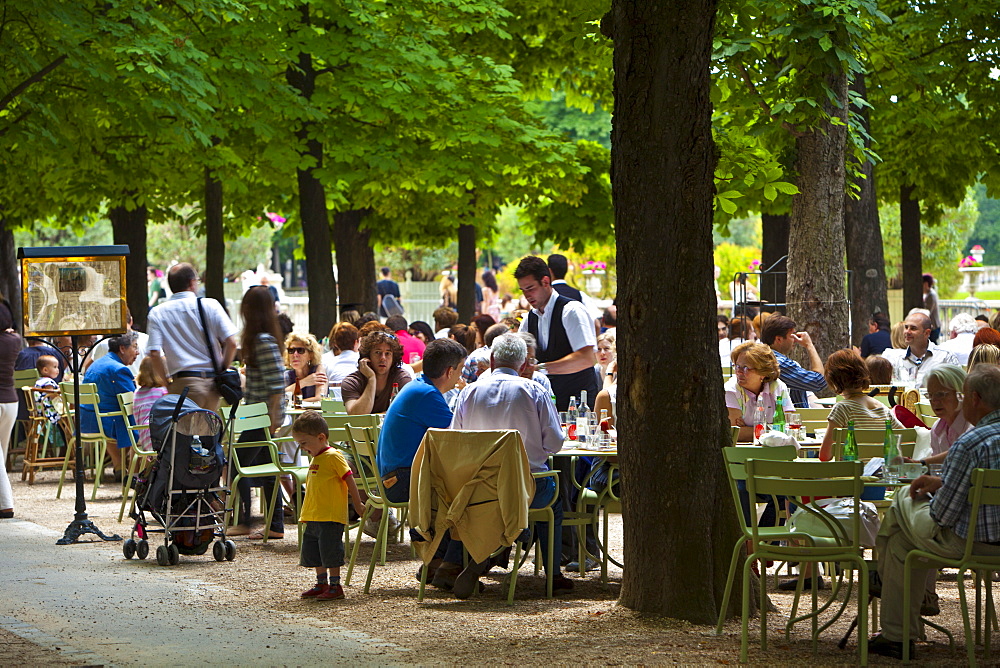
(112, 376)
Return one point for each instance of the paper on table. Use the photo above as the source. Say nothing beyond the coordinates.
(874, 464)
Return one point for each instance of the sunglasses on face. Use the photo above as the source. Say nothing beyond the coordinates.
(297, 351)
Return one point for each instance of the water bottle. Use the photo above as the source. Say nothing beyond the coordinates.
(850, 445)
(197, 447)
(760, 424)
(583, 401)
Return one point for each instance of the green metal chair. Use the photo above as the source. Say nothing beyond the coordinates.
(22, 378)
(926, 413)
(99, 440)
(139, 455)
(248, 418)
(332, 407)
(799, 481)
(736, 458)
(985, 491)
(814, 418)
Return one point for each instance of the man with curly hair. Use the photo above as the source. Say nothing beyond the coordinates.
(369, 389)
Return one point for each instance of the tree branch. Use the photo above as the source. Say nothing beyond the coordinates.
(30, 81)
(943, 45)
(762, 102)
(14, 122)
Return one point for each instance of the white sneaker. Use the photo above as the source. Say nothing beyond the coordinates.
(371, 528)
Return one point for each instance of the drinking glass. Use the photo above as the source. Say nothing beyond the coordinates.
(794, 423)
(891, 469)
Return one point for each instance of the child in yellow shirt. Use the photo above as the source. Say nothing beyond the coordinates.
(324, 509)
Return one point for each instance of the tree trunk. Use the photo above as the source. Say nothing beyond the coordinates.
(678, 538)
(863, 235)
(10, 285)
(775, 246)
(355, 260)
(312, 205)
(467, 306)
(909, 241)
(129, 228)
(816, 280)
(215, 242)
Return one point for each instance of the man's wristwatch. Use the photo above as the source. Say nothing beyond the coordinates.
(540, 367)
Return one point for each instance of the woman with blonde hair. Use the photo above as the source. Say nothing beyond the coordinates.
(754, 383)
(306, 376)
(607, 365)
(984, 353)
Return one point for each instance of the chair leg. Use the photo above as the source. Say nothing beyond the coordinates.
(513, 573)
(269, 515)
(357, 543)
(127, 487)
(733, 563)
(745, 617)
(378, 550)
(62, 476)
(970, 646)
(551, 556)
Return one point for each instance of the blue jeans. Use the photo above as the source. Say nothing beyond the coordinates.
(545, 489)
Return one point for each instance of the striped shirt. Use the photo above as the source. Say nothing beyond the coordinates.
(267, 378)
(864, 418)
(976, 449)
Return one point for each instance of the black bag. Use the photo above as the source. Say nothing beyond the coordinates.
(227, 381)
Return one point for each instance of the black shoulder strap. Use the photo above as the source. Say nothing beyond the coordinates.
(208, 340)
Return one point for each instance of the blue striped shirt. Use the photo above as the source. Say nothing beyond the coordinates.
(975, 449)
(799, 380)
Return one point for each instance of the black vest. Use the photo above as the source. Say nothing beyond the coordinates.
(566, 290)
(558, 346)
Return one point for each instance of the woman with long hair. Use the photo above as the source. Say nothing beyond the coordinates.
(491, 302)
(265, 383)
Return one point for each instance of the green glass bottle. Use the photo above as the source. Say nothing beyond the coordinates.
(779, 416)
(850, 444)
(890, 451)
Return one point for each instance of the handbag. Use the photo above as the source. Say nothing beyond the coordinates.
(227, 381)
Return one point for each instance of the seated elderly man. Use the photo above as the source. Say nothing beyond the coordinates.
(112, 375)
(962, 333)
(369, 389)
(934, 516)
(506, 400)
(479, 359)
(530, 369)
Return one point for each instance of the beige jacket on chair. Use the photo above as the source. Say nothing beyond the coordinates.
(478, 484)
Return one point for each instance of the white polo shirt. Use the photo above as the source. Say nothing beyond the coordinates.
(175, 331)
(576, 321)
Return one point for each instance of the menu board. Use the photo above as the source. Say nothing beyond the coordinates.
(73, 295)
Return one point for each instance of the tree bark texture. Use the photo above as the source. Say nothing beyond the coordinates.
(10, 285)
(312, 206)
(355, 260)
(129, 228)
(677, 537)
(816, 280)
(215, 242)
(863, 236)
(466, 273)
(909, 241)
(775, 246)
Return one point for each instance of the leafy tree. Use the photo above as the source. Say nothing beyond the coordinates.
(987, 230)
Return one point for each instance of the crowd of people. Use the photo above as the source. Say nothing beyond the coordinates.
(956, 369)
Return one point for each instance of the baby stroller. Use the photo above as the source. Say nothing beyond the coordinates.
(180, 492)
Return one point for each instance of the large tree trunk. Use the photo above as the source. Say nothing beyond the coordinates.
(678, 537)
(312, 205)
(215, 242)
(816, 281)
(863, 235)
(355, 260)
(129, 228)
(10, 285)
(467, 306)
(909, 241)
(775, 246)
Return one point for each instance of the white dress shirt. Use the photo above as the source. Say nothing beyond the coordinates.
(504, 400)
(576, 321)
(175, 331)
(961, 345)
(909, 370)
(539, 378)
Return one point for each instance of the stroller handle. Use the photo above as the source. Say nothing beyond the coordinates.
(180, 404)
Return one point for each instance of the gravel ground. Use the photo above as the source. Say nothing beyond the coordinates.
(586, 626)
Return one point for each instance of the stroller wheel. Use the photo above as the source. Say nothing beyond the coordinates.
(175, 555)
(230, 550)
(128, 548)
(142, 549)
(162, 555)
(219, 550)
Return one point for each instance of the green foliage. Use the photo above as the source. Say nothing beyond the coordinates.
(183, 240)
(425, 264)
(942, 247)
(987, 231)
(746, 231)
(730, 259)
(572, 122)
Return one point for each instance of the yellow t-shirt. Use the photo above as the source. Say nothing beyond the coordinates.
(326, 491)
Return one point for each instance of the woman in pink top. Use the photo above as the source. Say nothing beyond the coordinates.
(151, 386)
(754, 383)
(944, 384)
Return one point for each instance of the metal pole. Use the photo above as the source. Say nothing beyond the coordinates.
(81, 524)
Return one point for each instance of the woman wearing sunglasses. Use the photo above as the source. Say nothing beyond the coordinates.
(306, 376)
